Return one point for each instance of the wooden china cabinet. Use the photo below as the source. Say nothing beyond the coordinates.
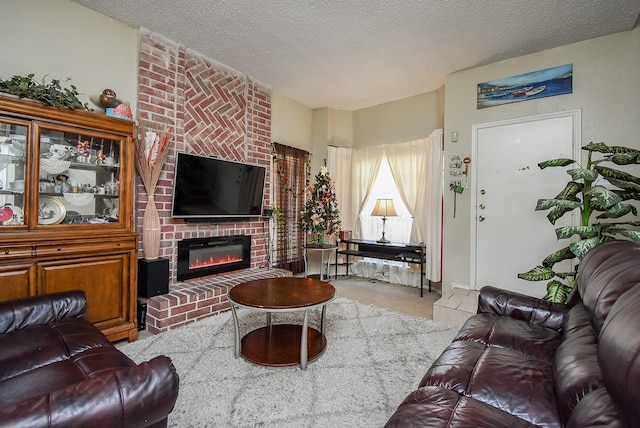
(67, 210)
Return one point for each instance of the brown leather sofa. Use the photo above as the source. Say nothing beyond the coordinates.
(523, 362)
(58, 370)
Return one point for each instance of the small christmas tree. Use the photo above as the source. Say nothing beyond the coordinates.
(320, 214)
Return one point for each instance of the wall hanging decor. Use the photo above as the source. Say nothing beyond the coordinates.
(525, 87)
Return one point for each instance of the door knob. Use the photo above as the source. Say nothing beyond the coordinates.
(481, 218)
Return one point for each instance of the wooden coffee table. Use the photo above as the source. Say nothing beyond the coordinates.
(281, 345)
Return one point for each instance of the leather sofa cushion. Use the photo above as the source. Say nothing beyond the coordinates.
(434, 406)
(43, 358)
(596, 410)
(503, 363)
(510, 333)
(576, 369)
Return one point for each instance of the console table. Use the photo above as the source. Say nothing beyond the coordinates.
(408, 253)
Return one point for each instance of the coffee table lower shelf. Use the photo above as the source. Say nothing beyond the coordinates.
(278, 345)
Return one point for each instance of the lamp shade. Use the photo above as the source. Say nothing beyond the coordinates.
(384, 208)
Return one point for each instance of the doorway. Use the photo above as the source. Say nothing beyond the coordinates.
(507, 235)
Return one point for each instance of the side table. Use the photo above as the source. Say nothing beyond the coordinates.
(324, 249)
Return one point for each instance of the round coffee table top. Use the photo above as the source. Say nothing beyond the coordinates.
(282, 293)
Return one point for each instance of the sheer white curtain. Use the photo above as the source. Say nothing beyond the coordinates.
(340, 166)
(416, 167)
(366, 163)
(433, 209)
(408, 163)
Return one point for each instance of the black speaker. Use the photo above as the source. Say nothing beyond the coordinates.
(142, 314)
(153, 277)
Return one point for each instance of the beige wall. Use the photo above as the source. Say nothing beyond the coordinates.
(606, 87)
(291, 122)
(60, 39)
(399, 121)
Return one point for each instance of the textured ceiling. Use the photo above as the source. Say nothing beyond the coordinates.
(352, 54)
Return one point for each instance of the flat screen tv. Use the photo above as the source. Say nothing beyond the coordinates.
(207, 187)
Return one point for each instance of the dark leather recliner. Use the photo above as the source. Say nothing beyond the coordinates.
(524, 362)
(58, 370)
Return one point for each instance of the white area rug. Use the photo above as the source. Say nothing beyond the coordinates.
(374, 358)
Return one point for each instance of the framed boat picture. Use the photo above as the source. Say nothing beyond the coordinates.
(524, 87)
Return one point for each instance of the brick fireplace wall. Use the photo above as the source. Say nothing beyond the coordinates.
(214, 111)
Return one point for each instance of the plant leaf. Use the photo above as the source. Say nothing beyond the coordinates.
(557, 292)
(626, 185)
(557, 256)
(604, 196)
(619, 210)
(583, 232)
(586, 174)
(570, 191)
(545, 204)
(565, 275)
(581, 248)
(628, 194)
(556, 162)
(633, 234)
(557, 213)
(538, 273)
(626, 158)
(616, 174)
(597, 147)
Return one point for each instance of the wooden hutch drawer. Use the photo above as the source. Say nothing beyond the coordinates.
(87, 247)
(9, 252)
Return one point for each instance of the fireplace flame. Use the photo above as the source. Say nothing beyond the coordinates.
(211, 261)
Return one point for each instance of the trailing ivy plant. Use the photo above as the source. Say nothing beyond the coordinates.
(601, 193)
(52, 94)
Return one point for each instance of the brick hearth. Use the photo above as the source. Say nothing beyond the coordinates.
(193, 300)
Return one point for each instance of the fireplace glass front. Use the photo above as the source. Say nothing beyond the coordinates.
(208, 256)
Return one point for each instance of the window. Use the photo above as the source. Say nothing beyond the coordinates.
(397, 229)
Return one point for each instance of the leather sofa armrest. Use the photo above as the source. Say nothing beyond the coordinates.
(28, 311)
(136, 396)
(522, 307)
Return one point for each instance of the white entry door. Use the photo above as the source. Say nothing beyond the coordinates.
(510, 236)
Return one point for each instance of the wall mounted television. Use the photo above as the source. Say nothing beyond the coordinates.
(209, 188)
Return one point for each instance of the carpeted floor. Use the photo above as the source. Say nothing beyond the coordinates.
(395, 297)
(373, 359)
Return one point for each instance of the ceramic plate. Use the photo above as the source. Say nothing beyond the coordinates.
(50, 210)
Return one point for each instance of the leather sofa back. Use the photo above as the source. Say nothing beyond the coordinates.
(596, 370)
(618, 350)
(22, 313)
(607, 272)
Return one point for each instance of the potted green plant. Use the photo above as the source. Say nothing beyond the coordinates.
(601, 193)
(275, 213)
(51, 94)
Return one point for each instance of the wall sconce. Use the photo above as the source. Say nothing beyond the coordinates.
(384, 208)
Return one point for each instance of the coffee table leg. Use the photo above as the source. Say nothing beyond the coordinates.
(303, 342)
(322, 319)
(236, 332)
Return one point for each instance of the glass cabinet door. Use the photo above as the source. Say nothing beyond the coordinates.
(79, 177)
(13, 150)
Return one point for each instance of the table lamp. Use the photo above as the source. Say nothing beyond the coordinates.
(384, 208)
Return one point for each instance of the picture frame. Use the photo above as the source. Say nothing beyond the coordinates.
(524, 87)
